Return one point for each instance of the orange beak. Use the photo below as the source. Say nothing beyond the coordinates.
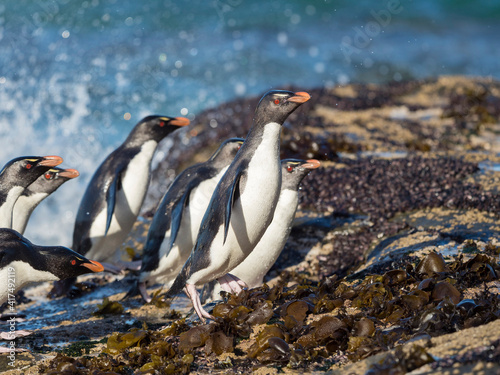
(51, 161)
(94, 266)
(300, 97)
(180, 121)
(69, 173)
(311, 164)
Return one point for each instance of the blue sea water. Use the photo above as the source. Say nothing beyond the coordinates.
(77, 75)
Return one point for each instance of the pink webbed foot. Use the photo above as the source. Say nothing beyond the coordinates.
(193, 294)
(231, 284)
(144, 292)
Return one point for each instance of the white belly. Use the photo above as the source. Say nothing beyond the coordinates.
(198, 203)
(23, 274)
(256, 265)
(23, 208)
(251, 213)
(134, 185)
(168, 268)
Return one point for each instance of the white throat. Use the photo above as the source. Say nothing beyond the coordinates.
(8, 206)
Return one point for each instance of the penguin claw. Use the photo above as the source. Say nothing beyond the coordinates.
(193, 294)
(144, 293)
(231, 284)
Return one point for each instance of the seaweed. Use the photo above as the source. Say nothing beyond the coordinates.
(425, 299)
(79, 348)
(109, 307)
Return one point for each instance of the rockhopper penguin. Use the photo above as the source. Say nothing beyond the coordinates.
(15, 176)
(256, 265)
(243, 202)
(36, 192)
(115, 194)
(22, 262)
(175, 225)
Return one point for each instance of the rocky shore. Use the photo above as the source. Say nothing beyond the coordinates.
(392, 266)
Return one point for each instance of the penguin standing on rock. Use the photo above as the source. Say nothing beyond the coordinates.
(175, 225)
(115, 194)
(36, 192)
(15, 176)
(243, 203)
(255, 266)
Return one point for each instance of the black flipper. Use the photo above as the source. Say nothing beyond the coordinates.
(111, 197)
(180, 281)
(230, 202)
(176, 218)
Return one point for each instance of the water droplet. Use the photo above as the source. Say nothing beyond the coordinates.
(282, 38)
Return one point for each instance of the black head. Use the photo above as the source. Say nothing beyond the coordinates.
(51, 180)
(293, 172)
(226, 152)
(66, 263)
(277, 105)
(25, 170)
(58, 260)
(155, 128)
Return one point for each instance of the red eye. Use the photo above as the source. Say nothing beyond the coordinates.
(47, 176)
(162, 123)
(73, 262)
(28, 166)
(276, 101)
(289, 168)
